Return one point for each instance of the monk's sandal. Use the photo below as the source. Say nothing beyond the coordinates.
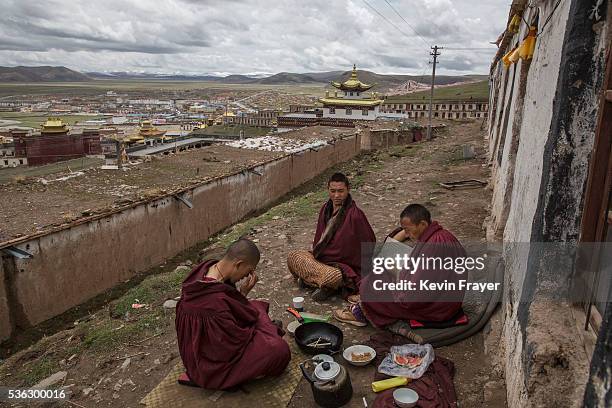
(348, 316)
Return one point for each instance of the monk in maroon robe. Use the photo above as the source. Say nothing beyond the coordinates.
(225, 339)
(431, 241)
(335, 260)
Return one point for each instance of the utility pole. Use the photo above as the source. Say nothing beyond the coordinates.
(435, 54)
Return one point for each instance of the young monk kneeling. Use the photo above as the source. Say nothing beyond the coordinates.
(225, 339)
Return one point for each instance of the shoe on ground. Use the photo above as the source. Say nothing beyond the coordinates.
(346, 316)
(354, 299)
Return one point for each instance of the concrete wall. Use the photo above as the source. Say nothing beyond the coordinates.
(6, 326)
(540, 136)
(385, 138)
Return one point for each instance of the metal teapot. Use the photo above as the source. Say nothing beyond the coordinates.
(330, 383)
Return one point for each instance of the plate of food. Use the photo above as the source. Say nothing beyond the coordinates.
(359, 355)
(410, 359)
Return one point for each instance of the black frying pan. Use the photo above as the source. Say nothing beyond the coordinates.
(318, 338)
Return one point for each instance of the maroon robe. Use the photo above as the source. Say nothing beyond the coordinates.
(344, 248)
(434, 242)
(224, 339)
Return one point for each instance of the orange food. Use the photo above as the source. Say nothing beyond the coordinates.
(408, 360)
(361, 357)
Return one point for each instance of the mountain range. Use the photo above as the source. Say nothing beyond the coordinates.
(382, 81)
(40, 74)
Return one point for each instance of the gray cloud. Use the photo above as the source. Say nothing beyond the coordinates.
(239, 36)
(403, 62)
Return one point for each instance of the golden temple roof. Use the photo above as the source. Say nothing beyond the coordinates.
(148, 130)
(350, 102)
(353, 83)
(54, 125)
(134, 139)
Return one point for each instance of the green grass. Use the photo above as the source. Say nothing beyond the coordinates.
(95, 87)
(35, 120)
(39, 370)
(150, 290)
(133, 324)
(303, 206)
(477, 90)
(109, 334)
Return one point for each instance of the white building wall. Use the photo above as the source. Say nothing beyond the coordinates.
(13, 161)
(7, 151)
(356, 114)
(531, 333)
(356, 95)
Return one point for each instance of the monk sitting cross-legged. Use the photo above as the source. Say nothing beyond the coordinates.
(430, 241)
(335, 260)
(225, 339)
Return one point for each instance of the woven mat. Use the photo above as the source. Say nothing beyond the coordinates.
(266, 392)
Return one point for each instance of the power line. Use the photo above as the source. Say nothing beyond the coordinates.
(548, 18)
(386, 19)
(470, 48)
(407, 23)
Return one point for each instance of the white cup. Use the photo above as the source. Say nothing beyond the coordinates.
(298, 303)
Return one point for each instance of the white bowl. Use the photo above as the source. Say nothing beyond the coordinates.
(405, 397)
(294, 324)
(358, 349)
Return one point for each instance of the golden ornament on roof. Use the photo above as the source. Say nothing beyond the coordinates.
(54, 125)
(353, 83)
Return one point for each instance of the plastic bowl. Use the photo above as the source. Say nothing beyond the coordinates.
(359, 349)
(405, 397)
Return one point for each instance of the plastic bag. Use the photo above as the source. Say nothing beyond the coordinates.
(389, 367)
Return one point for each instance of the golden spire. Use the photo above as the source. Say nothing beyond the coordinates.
(353, 83)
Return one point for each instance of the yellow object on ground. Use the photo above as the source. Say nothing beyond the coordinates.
(378, 386)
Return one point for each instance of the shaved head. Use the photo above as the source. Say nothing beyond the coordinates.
(243, 250)
(416, 213)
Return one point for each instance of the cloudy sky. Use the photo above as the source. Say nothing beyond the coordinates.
(250, 36)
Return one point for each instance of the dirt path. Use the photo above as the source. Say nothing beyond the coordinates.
(386, 182)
